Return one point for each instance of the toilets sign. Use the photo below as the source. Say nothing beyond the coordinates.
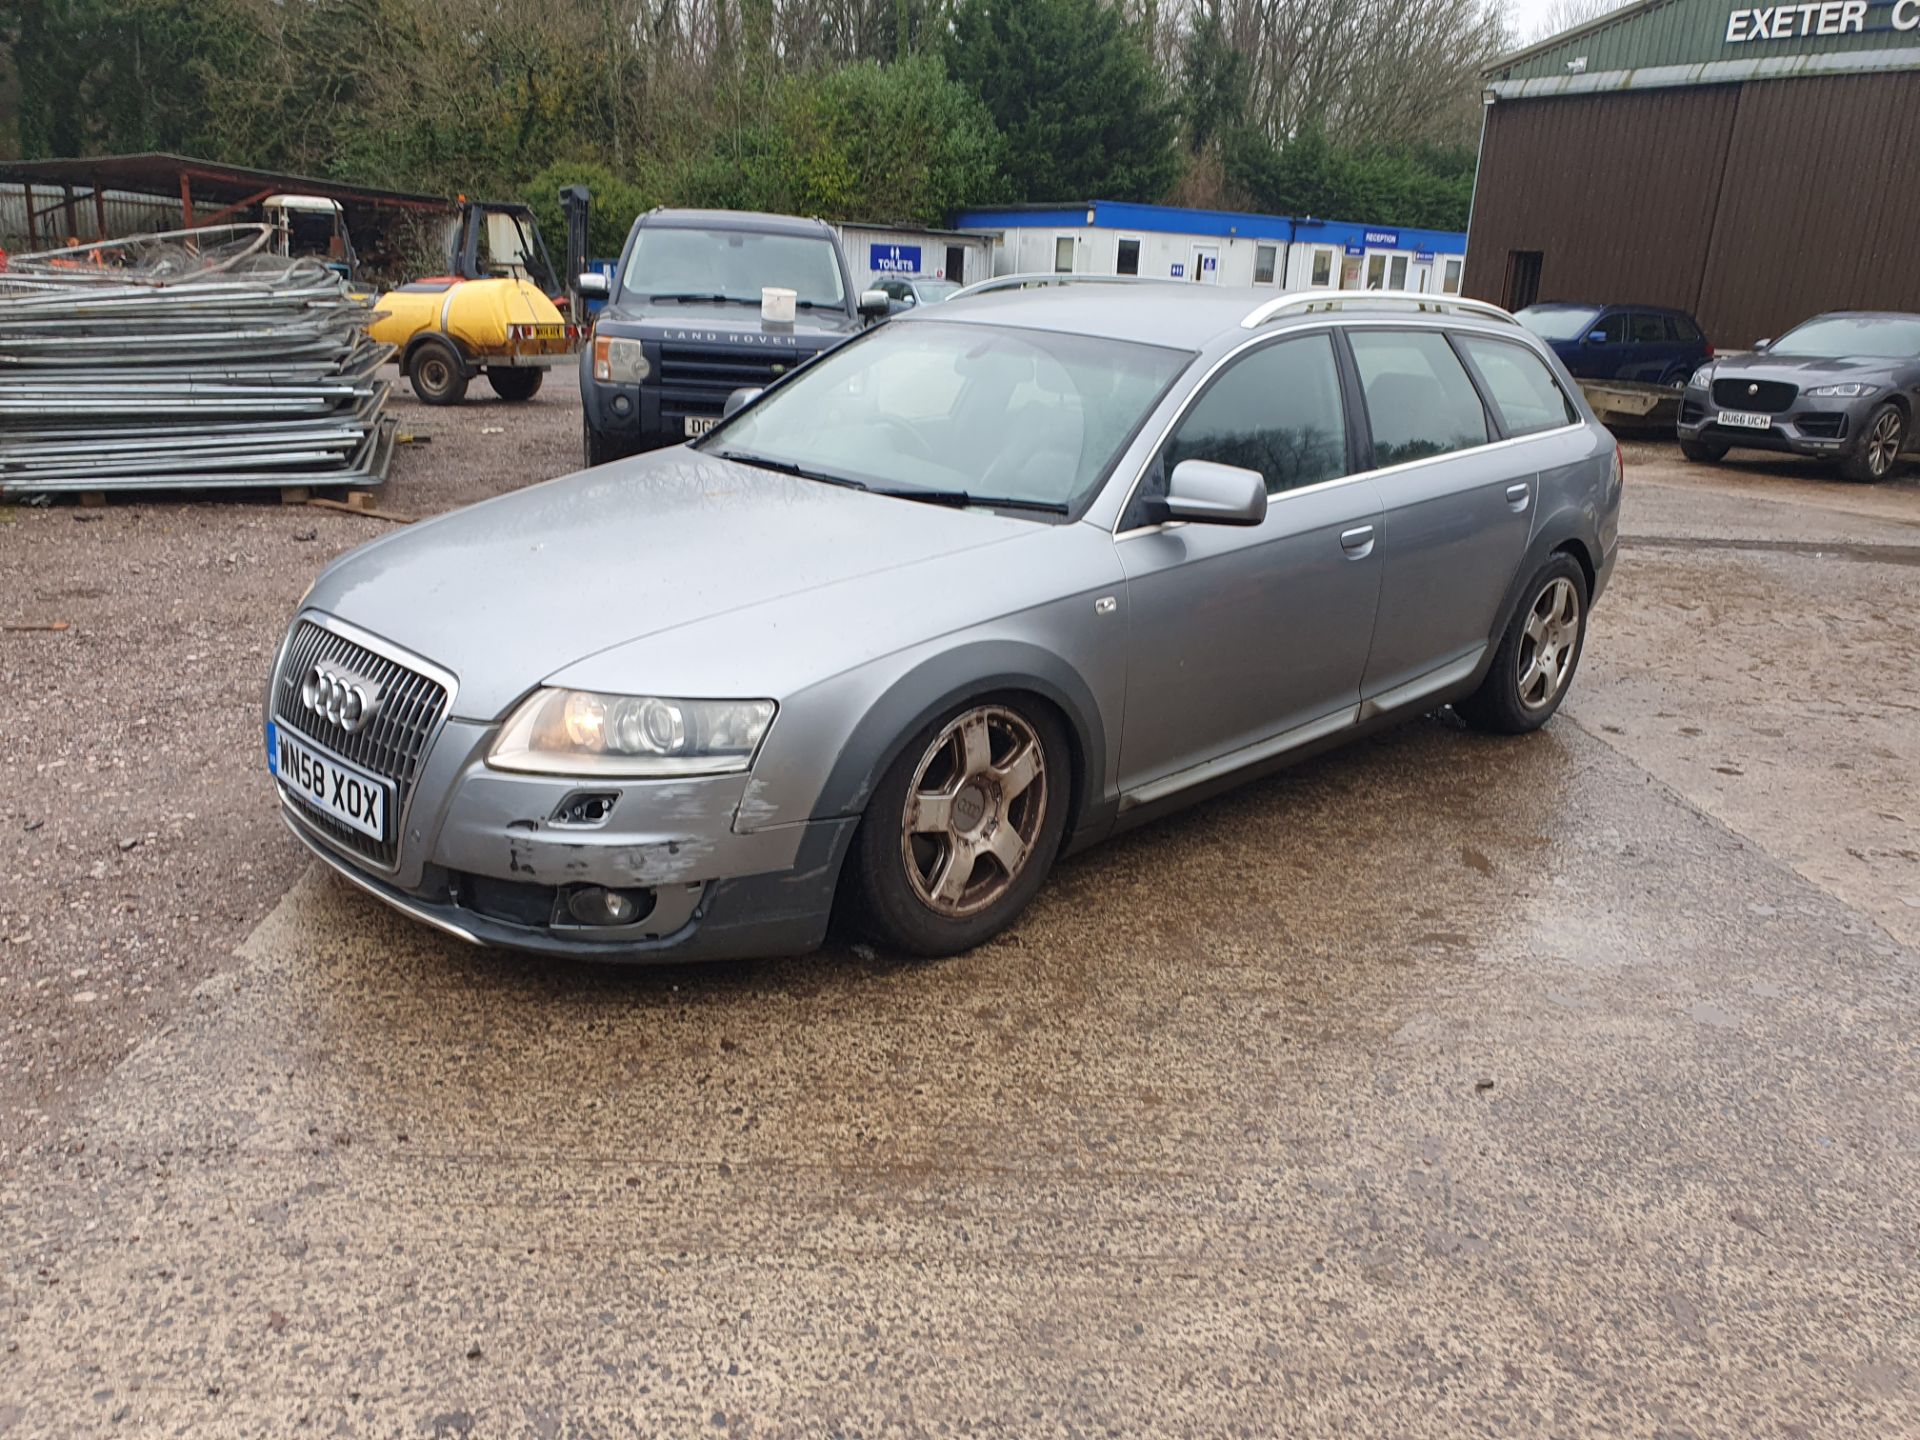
(1825, 17)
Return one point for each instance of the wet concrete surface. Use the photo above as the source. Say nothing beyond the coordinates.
(1444, 1086)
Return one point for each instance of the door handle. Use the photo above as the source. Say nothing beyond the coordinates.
(1517, 494)
(1357, 542)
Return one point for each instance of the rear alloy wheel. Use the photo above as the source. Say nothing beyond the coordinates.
(962, 831)
(1535, 662)
(1702, 453)
(1881, 441)
(437, 374)
(515, 382)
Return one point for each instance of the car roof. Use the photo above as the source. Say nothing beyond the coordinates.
(1178, 313)
(1860, 315)
(756, 220)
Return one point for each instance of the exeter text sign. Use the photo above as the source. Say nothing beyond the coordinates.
(1826, 17)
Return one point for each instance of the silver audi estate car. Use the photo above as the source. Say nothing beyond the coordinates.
(987, 584)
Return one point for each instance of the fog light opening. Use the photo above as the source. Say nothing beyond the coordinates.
(596, 905)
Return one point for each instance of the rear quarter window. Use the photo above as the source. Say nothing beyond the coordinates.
(1524, 393)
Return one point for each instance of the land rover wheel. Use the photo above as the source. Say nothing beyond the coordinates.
(436, 372)
(964, 826)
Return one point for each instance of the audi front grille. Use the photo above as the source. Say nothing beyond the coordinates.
(391, 745)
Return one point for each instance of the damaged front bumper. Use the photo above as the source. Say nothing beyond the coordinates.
(495, 858)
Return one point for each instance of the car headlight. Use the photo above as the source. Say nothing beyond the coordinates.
(619, 362)
(1849, 390)
(1701, 378)
(578, 732)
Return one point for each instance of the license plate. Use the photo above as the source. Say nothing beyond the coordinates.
(317, 780)
(700, 424)
(1746, 419)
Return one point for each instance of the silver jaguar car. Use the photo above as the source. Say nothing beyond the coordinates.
(987, 584)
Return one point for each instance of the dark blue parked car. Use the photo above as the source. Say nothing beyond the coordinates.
(1648, 343)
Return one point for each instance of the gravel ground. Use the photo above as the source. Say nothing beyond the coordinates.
(138, 841)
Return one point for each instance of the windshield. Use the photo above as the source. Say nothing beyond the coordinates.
(733, 265)
(1841, 337)
(1028, 415)
(934, 291)
(1557, 323)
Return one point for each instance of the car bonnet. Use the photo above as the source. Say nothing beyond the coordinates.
(507, 592)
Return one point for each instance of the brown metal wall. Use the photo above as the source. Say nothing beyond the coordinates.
(1752, 205)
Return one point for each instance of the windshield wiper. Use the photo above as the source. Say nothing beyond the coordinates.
(964, 498)
(785, 467)
(691, 299)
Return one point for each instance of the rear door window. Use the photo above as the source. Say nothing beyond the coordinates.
(1649, 329)
(1419, 399)
(1524, 393)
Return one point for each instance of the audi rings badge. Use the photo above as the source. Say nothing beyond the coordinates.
(344, 698)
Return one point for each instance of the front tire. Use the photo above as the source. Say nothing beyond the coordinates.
(1535, 662)
(1881, 441)
(595, 448)
(1702, 453)
(437, 374)
(964, 827)
(515, 382)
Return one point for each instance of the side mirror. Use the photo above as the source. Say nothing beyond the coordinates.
(593, 285)
(744, 396)
(1207, 493)
(873, 303)
(1596, 337)
(1760, 346)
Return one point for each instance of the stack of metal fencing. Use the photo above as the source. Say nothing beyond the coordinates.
(190, 360)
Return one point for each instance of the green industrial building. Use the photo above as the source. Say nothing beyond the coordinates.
(1753, 164)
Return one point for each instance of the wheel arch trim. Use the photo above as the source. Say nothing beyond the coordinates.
(941, 683)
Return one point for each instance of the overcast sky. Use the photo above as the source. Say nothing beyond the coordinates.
(1531, 19)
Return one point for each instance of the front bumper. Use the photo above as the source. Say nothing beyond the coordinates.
(1821, 428)
(492, 858)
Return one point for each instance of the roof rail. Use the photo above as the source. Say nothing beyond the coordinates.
(1310, 300)
(1046, 277)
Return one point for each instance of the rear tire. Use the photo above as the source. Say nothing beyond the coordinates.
(1882, 438)
(1533, 668)
(514, 382)
(1701, 453)
(437, 373)
(963, 828)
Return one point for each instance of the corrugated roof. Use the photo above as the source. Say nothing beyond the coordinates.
(159, 173)
(1662, 43)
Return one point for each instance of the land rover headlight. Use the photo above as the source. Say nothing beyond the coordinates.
(619, 362)
(1850, 390)
(579, 732)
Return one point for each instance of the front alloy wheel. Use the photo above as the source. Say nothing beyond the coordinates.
(964, 826)
(978, 798)
(1880, 445)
